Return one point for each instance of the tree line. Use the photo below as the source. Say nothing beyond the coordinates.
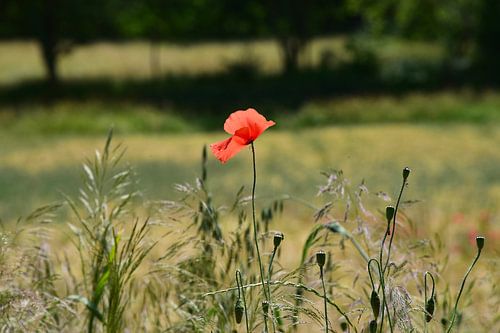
(468, 28)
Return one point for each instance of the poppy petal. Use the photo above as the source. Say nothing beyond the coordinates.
(243, 135)
(250, 118)
(226, 149)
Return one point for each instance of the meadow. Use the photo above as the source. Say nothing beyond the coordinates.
(80, 264)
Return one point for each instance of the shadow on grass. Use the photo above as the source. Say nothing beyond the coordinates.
(203, 101)
(211, 95)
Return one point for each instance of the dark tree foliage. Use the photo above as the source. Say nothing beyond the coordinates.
(468, 29)
(56, 25)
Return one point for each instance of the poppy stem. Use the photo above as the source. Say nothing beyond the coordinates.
(261, 269)
(462, 289)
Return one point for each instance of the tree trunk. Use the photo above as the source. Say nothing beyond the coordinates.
(291, 48)
(48, 40)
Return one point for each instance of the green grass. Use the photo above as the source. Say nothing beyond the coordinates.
(21, 61)
(454, 175)
(455, 166)
(95, 117)
(449, 139)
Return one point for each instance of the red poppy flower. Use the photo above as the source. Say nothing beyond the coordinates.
(245, 127)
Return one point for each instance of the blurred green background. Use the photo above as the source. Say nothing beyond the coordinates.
(364, 86)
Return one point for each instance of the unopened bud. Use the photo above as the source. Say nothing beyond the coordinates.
(343, 326)
(406, 173)
(321, 258)
(429, 309)
(238, 310)
(265, 307)
(375, 303)
(373, 326)
(278, 238)
(480, 242)
(389, 213)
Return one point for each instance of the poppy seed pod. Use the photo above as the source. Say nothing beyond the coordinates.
(321, 258)
(265, 307)
(429, 309)
(480, 242)
(406, 173)
(278, 238)
(373, 326)
(389, 213)
(375, 303)
(238, 310)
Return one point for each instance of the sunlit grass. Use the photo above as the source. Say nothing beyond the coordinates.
(455, 166)
(454, 173)
(21, 60)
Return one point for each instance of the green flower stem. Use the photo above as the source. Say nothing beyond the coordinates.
(462, 289)
(393, 226)
(384, 298)
(324, 298)
(239, 282)
(269, 272)
(287, 284)
(256, 238)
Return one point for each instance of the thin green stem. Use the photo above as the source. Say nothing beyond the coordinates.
(286, 284)
(239, 282)
(394, 225)
(462, 289)
(261, 269)
(384, 298)
(324, 298)
(269, 272)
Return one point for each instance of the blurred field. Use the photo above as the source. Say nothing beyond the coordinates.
(21, 61)
(449, 139)
(455, 167)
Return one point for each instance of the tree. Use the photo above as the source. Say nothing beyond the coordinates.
(295, 22)
(56, 25)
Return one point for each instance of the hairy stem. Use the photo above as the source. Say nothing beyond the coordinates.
(256, 238)
(324, 298)
(461, 290)
(393, 226)
(287, 284)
